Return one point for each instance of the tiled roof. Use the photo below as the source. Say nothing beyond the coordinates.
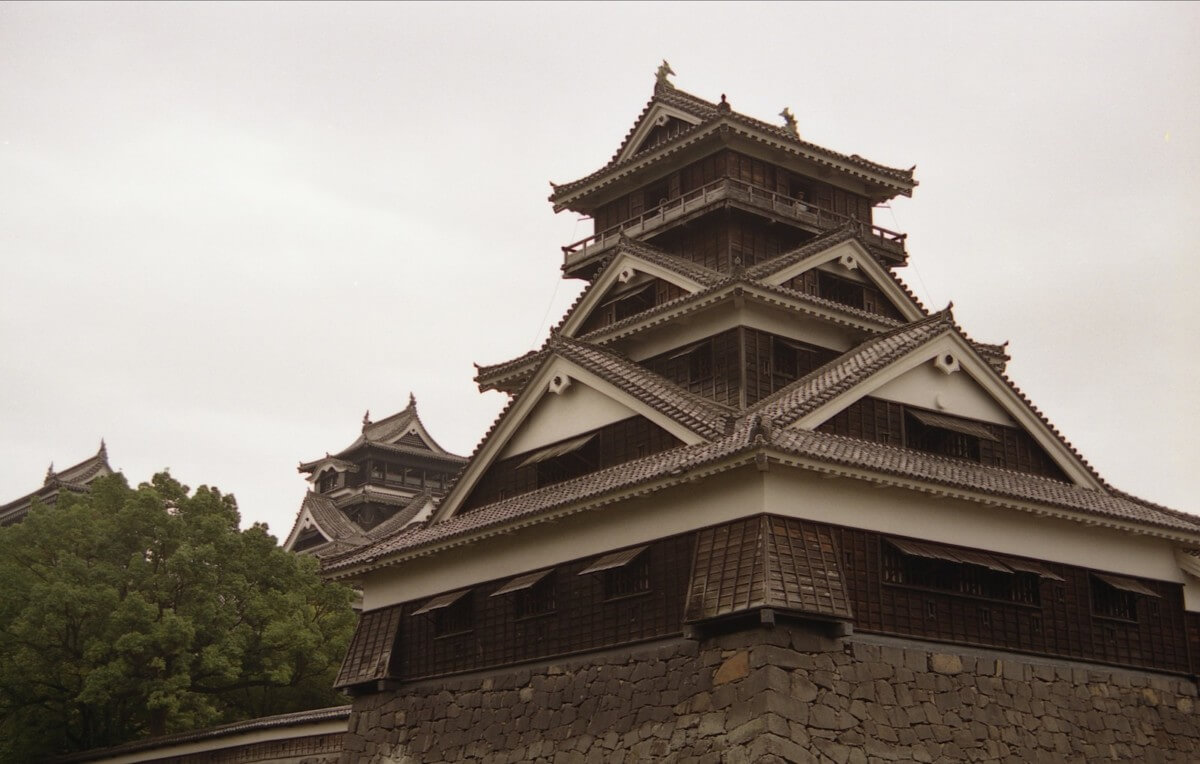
(761, 431)
(839, 375)
(401, 448)
(728, 288)
(522, 364)
(389, 429)
(689, 269)
(368, 494)
(403, 517)
(749, 437)
(331, 520)
(77, 477)
(710, 115)
(958, 473)
(685, 102)
(674, 462)
(330, 460)
(701, 415)
(823, 242)
(295, 719)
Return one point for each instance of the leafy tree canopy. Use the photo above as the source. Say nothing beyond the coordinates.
(129, 612)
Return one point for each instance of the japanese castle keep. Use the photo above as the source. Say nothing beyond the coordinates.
(752, 501)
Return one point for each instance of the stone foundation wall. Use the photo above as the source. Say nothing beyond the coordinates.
(783, 694)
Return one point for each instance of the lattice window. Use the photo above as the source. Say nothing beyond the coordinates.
(1110, 602)
(929, 572)
(538, 599)
(456, 618)
(632, 578)
(329, 480)
(840, 290)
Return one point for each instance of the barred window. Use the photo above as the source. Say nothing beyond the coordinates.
(633, 578)
(928, 566)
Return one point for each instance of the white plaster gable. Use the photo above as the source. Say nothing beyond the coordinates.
(578, 409)
(557, 376)
(850, 260)
(658, 115)
(610, 282)
(926, 387)
(968, 397)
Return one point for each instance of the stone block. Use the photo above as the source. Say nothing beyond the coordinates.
(735, 667)
(944, 663)
(774, 655)
(824, 717)
(763, 679)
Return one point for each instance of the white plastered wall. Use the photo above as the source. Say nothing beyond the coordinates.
(675, 510)
(957, 393)
(858, 504)
(578, 409)
(784, 491)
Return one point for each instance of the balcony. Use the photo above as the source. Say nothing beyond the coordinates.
(887, 244)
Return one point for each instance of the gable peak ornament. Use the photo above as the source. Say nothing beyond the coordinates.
(789, 122)
(660, 77)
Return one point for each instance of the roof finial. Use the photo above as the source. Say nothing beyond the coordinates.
(412, 401)
(103, 449)
(366, 418)
(724, 106)
(49, 473)
(660, 77)
(789, 122)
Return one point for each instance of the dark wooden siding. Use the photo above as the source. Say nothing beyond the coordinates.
(583, 618)
(717, 239)
(732, 165)
(884, 422)
(615, 310)
(614, 444)
(1063, 624)
(708, 367)
(1057, 620)
(757, 361)
(773, 362)
(855, 294)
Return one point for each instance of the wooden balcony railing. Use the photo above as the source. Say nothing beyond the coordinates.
(736, 190)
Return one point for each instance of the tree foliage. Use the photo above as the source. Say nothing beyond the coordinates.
(133, 612)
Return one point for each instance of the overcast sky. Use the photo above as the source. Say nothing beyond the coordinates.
(227, 230)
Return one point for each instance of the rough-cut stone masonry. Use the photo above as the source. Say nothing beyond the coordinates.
(783, 694)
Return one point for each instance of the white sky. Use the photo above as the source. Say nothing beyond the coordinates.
(227, 230)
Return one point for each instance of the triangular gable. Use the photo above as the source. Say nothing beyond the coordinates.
(403, 428)
(980, 394)
(656, 114)
(849, 259)
(625, 270)
(556, 377)
(319, 513)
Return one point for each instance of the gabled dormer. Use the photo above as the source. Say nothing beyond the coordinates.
(925, 387)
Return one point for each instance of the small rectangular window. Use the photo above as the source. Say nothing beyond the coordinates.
(454, 612)
(625, 572)
(1117, 597)
(633, 578)
(533, 593)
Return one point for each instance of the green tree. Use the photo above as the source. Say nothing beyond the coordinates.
(126, 613)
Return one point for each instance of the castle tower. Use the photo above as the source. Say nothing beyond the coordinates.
(390, 477)
(749, 453)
